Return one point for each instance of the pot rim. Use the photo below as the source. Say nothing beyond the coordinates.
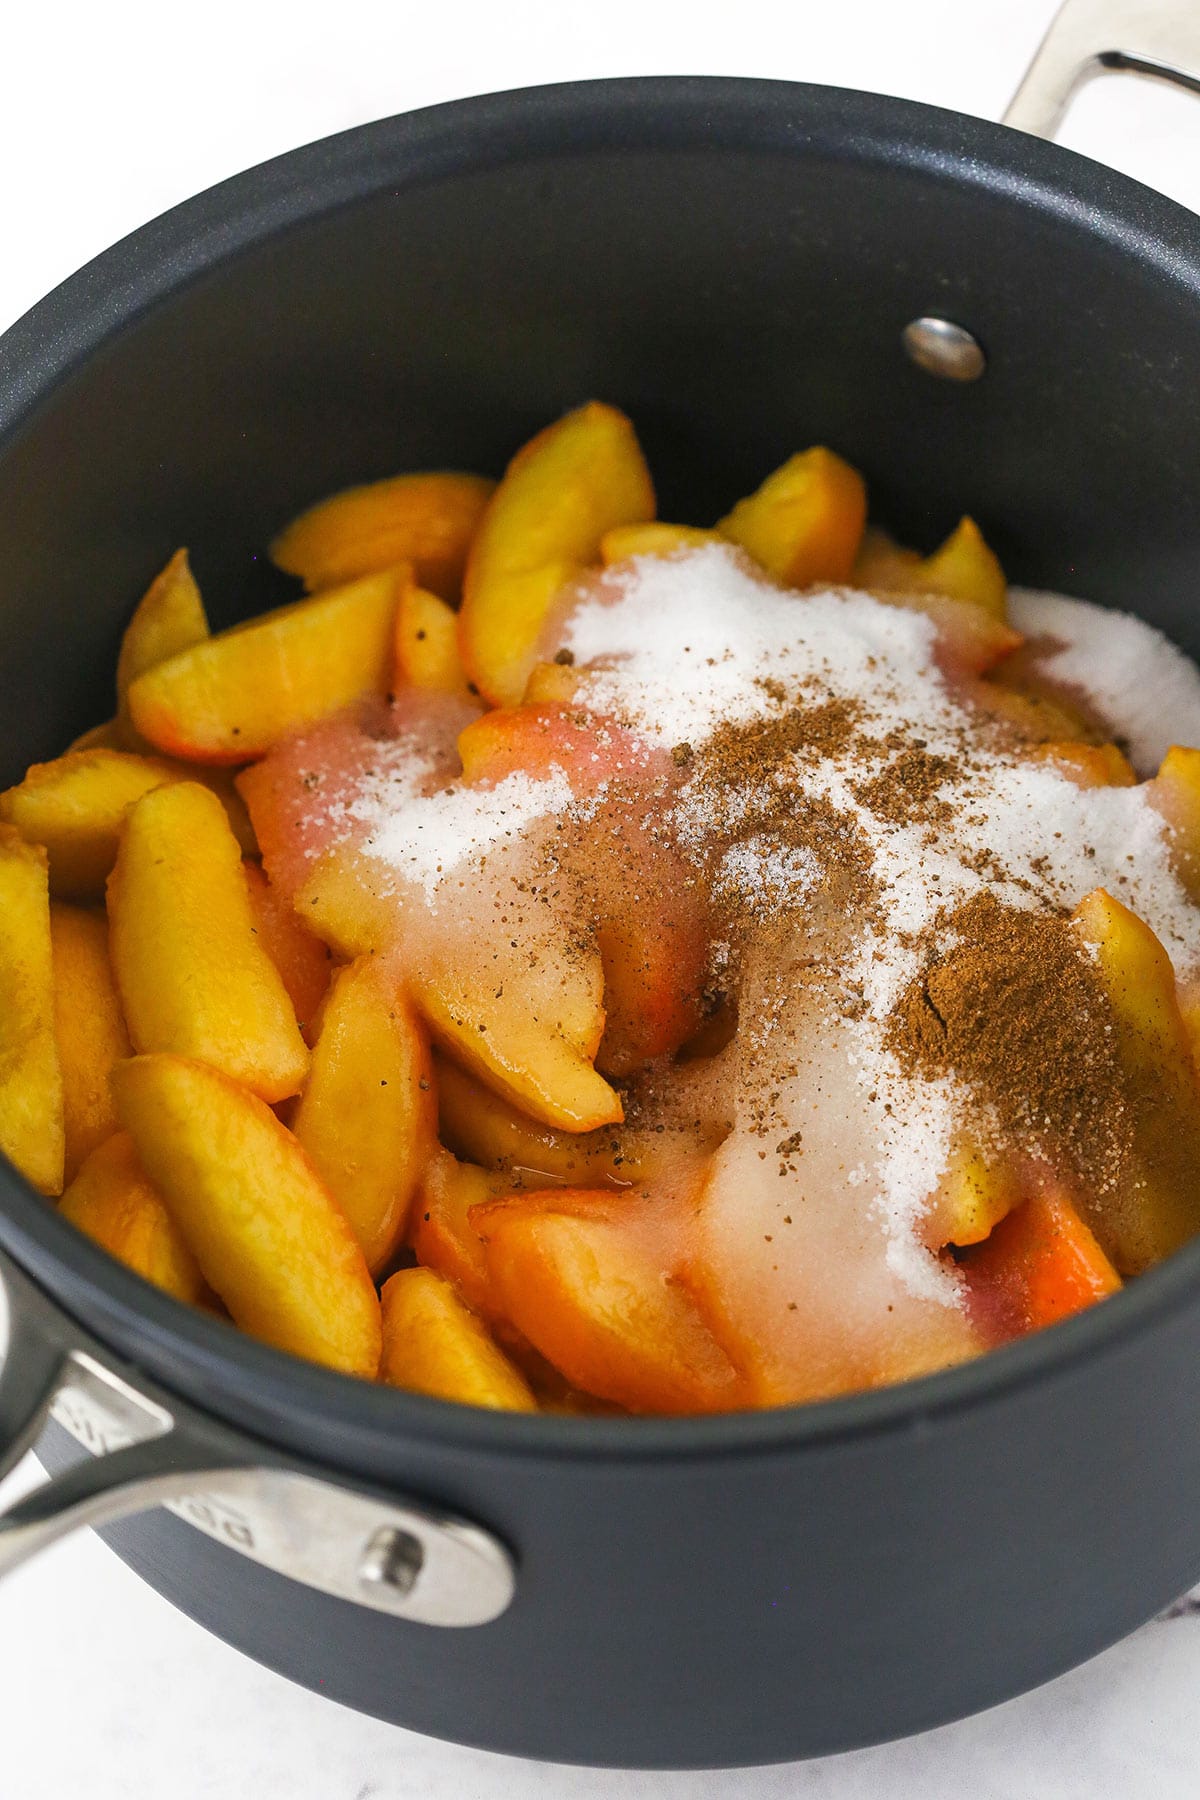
(109, 295)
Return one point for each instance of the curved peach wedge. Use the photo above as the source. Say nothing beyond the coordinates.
(442, 1235)
(170, 617)
(192, 974)
(264, 1229)
(560, 494)
(476, 1123)
(366, 1117)
(805, 522)
(231, 697)
(1175, 793)
(302, 959)
(962, 568)
(434, 1344)
(31, 1088)
(597, 1304)
(114, 1203)
(89, 1026)
(1155, 1206)
(426, 651)
(654, 538)
(427, 520)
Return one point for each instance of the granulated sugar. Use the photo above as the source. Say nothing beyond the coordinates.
(1147, 690)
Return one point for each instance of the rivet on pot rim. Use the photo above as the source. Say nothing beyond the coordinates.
(394, 1559)
(944, 349)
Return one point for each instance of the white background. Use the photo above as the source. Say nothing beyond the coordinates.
(112, 112)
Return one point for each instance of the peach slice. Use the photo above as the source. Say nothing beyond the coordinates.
(1040, 1264)
(963, 568)
(426, 651)
(442, 1234)
(805, 523)
(654, 538)
(99, 737)
(170, 617)
(536, 1054)
(974, 1194)
(1175, 793)
(231, 697)
(192, 974)
(1087, 765)
(544, 524)
(599, 1304)
(366, 1117)
(268, 1236)
(427, 520)
(76, 806)
(301, 958)
(970, 640)
(31, 1086)
(90, 1029)
(434, 1344)
(114, 1203)
(477, 1124)
(1156, 1204)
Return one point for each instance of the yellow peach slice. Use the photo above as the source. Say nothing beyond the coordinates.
(478, 1124)
(654, 538)
(90, 1028)
(538, 1064)
(442, 1235)
(1087, 765)
(1175, 793)
(76, 806)
(301, 958)
(99, 737)
(544, 524)
(170, 617)
(366, 1117)
(1155, 1207)
(31, 1087)
(600, 1307)
(434, 1344)
(805, 522)
(963, 568)
(114, 1203)
(231, 697)
(269, 1238)
(427, 520)
(974, 1194)
(426, 651)
(192, 974)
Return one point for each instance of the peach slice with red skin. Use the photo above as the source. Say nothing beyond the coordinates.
(32, 1132)
(267, 1235)
(231, 697)
(561, 493)
(1039, 1264)
(595, 1296)
(192, 974)
(805, 523)
(426, 519)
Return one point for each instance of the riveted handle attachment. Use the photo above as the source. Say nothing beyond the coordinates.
(389, 1553)
(1158, 38)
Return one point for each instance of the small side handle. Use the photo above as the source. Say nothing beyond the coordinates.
(1157, 38)
(391, 1553)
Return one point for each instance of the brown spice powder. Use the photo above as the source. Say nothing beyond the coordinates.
(1015, 1009)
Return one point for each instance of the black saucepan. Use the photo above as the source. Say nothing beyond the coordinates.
(733, 262)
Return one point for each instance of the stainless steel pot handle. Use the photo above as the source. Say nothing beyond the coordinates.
(1158, 38)
(396, 1556)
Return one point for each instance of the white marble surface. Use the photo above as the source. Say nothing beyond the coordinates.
(111, 113)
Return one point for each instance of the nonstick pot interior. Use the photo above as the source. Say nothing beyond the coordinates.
(733, 263)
